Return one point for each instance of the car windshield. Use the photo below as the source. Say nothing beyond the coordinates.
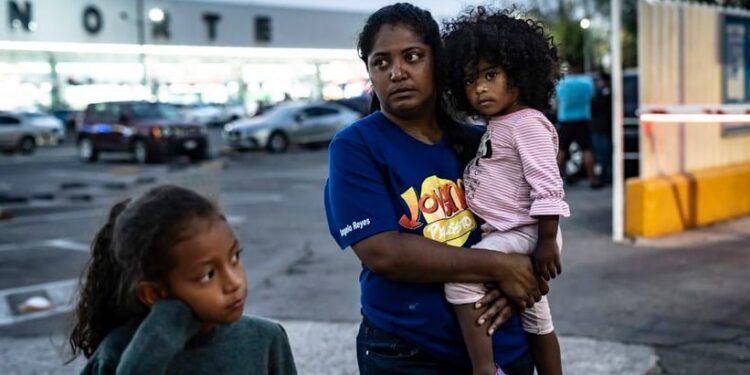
(155, 111)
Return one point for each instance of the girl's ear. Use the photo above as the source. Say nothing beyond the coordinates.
(149, 292)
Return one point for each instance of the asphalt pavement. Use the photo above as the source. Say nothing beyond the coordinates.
(675, 305)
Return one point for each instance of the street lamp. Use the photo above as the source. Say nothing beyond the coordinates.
(156, 15)
(585, 25)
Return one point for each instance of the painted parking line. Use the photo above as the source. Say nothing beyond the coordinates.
(47, 218)
(65, 244)
(58, 243)
(59, 293)
(227, 200)
(236, 219)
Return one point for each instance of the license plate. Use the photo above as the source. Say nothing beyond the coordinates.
(190, 145)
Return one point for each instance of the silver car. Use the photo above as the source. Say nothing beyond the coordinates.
(18, 133)
(289, 123)
(45, 120)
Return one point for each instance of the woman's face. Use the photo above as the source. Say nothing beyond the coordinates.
(400, 67)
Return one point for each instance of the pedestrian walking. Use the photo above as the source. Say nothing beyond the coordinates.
(601, 126)
(573, 100)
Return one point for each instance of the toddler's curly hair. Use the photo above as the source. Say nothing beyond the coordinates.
(519, 46)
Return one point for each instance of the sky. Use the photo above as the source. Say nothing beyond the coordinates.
(439, 8)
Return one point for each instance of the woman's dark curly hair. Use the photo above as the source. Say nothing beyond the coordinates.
(132, 246)
(421, 23)
(519, 46)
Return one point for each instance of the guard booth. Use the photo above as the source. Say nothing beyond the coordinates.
(694, 118)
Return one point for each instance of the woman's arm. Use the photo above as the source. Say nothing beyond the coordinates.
(408, 257)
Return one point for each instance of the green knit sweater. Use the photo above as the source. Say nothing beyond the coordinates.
(165, 343)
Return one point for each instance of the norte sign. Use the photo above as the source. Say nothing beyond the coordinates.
(21, 17)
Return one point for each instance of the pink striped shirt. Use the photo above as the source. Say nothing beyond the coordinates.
(515, 177)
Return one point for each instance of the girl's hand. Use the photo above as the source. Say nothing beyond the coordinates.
(547, 259)
(497, 309)
(518, 281)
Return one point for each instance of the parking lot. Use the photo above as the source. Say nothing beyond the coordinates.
(620, 309)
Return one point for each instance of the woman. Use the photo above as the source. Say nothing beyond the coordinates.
(395, 195)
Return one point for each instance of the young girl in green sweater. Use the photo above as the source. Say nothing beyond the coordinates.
(164, 293)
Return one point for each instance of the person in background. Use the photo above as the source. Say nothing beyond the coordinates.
(601, 126)
(574, 94)
(164, 293)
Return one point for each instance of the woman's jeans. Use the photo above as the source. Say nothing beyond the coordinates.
(379, 353)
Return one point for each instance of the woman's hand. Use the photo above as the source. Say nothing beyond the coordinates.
(497, 309)
(518, 281)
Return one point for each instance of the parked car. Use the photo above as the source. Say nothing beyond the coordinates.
(47, 121)
(213, 114)
(17, 133)
(289, 123)
(147, 130)
(359, 104)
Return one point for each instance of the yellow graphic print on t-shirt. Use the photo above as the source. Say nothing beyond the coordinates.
(442, 204)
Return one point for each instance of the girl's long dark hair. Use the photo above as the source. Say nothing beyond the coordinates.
(132, 246)
(420, 21)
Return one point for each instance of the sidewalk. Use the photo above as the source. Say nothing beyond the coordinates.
(328, 349)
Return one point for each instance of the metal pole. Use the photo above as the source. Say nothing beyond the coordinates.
(141, 25)
(586, 51)
(618, 191)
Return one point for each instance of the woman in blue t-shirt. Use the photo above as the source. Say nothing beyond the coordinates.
(395, 195)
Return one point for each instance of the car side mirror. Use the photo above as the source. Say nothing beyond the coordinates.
(299, 117)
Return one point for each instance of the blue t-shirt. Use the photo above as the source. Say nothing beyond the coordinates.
(574, 94)
(381, 179)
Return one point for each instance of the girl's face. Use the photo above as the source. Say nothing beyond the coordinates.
(400, 68)
(208, 274)
(489, 92)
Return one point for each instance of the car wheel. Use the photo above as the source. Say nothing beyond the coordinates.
(26, 145)
(86, 150)
(141, 155)
(277, 143)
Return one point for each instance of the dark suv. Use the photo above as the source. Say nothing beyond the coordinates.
(149, 131)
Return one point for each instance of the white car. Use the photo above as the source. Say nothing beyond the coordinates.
(213, 114)
(289, 123)
(47, 121)
(17, 133)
